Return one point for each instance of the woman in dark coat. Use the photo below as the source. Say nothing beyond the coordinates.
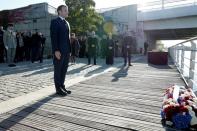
(110, 51)
(82, 43)
(36, 47)
(74, 47)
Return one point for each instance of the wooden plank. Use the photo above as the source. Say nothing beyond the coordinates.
(97, 117)
(121, 100)
(44, 123)
(13, 126)
(75, 120)
(106, 110)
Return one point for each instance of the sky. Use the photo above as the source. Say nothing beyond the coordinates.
(11, 4)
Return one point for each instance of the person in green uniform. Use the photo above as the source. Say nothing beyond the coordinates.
(103, 44)
(92, 45)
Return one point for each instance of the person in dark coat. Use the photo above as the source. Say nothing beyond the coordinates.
(126, 50)
(145, 47)
(19, 48)
(82, 42)
(36, 47)
(74, 47)
(110, 51)
(27, 45)
(92, 46)
(2, 47)
(103, 44)
(43, 39)
(61, 48)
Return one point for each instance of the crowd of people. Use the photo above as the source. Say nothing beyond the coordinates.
(20, 46)
(92, 46)
(27, 46)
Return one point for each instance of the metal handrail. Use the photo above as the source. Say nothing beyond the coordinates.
(177, 53)
(188, 40)
(165, 4)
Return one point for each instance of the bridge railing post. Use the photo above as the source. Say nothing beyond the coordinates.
(179, 54)
(177, 57)
(182, 59)
(172, 52)
(192, 64)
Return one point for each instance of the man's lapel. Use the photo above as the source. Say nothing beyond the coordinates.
(66, 24)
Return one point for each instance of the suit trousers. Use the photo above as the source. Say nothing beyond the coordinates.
(127, 56)
(60, 70)
(2, 52)
(11, 52)
(89, 59)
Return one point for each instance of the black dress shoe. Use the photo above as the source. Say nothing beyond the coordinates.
(61, 93)
(11, 65)
(64, 89)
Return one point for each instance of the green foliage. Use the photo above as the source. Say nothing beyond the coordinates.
(82, 16)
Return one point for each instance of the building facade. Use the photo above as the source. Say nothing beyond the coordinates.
(125, 21)
(36, 17)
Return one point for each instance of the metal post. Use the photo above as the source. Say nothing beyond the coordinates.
(177, 58)
(192, 64)
(182, 59)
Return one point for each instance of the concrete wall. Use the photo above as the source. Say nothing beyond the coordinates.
(41, 24)
(167, 13)
(124, 18)
(175, 23)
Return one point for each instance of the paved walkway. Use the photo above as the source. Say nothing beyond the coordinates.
(118, 100)
(27, 77)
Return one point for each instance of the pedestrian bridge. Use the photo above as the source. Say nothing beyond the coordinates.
(167, 20)
(121, 99)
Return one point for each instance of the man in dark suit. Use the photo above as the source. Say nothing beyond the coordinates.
(145, 47)
(126, 49)
(2, 47)
(60, 39)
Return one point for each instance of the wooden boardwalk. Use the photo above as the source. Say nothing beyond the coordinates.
(123, 99)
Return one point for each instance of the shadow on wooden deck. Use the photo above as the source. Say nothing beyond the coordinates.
(128, 98)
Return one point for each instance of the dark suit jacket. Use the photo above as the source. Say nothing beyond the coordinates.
(127, 44)
(60, 36)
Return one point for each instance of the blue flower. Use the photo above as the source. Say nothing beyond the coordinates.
(162, 114)
(181, 121)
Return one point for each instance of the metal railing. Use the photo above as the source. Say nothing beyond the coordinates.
(184, 56)
(165, 4)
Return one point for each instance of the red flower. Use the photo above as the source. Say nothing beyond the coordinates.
(183, 109)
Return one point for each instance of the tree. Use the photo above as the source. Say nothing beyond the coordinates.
(82, 16)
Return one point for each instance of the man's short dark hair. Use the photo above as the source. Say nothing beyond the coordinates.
(59, 8)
